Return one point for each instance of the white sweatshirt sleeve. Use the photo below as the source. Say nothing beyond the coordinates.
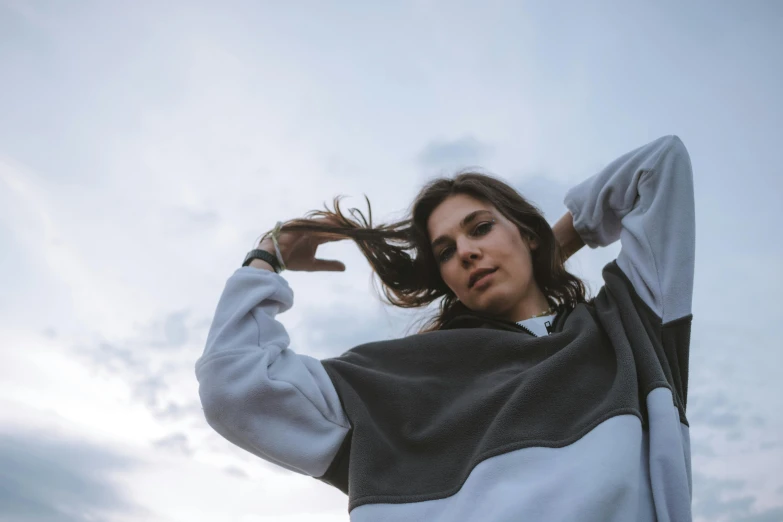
(259, 394)
(645, 199)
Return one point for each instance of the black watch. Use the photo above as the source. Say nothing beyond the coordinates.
(263, 255)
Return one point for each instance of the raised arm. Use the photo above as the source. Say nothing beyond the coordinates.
(645, 199)
(259, 394)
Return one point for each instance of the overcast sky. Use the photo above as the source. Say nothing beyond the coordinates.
(144, 146)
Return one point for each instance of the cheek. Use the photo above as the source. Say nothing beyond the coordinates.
(519, 261)
(449, 276)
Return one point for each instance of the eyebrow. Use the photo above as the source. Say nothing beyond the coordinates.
(464, 223)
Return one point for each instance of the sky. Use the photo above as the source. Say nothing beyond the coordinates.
(144, 147)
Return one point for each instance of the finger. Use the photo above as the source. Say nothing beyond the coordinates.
(330, 220)
(334, 221)
(319, 238)
(327, 265)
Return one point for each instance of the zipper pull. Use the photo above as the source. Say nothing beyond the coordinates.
(549, 327)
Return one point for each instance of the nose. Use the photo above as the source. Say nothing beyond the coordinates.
(468, 251)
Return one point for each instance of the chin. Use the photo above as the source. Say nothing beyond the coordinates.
(493, 302)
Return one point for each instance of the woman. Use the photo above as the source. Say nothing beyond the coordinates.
(520, 400)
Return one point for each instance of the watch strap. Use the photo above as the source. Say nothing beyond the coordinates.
(263, 255)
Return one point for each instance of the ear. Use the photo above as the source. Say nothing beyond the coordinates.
(532, 243)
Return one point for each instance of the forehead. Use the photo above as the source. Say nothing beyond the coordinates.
(447, 216)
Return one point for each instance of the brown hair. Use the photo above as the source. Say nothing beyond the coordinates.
(401, 256)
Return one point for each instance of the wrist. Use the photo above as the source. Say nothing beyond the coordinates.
(261, 264)
(566, 235)
(267, 244)
(262, 258)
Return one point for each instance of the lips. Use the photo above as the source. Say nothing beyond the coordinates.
(478, 274)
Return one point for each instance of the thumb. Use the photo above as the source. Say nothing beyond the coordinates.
(327, 265)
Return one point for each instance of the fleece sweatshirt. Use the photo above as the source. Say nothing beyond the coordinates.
(484, 419)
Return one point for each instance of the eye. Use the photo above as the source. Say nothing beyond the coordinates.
(445, 254)
(482, 229)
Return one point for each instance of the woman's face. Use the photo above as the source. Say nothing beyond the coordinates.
(470, 237)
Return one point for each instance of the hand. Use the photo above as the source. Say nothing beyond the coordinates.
(567, 236)
(298, 250)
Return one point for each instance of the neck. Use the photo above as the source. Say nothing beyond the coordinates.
(532, 305)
